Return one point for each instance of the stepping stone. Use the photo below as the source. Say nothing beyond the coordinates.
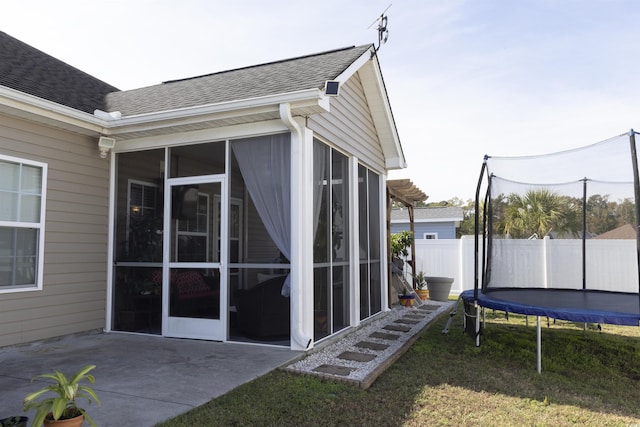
(383, 336)
(372, 345)
(414, 316)
(357, 357)
(398, 328)
(406, 321)
(343, 371)
(427, 307)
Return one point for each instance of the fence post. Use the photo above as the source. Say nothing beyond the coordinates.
(546, 242)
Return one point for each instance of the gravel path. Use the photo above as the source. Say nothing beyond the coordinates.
(362, 355)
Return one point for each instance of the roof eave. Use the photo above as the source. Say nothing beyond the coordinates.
(425, 221)
(303, 103)
(33, 108)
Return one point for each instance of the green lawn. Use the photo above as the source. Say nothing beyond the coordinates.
(589, 378)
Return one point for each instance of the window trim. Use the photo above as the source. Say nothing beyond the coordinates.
(434, 235)
(40, 226)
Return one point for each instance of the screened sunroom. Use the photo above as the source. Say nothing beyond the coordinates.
(258, 218)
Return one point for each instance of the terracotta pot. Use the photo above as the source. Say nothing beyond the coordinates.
(423, 294)
(71, 422)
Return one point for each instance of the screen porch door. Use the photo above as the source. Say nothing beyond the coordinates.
(194, 249)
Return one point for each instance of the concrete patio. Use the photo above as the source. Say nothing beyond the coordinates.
(140, 380)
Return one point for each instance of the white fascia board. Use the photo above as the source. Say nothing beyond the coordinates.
(310, 98)
(376, 93)
(379, 104)
(355, 66)
(395, 163)
(49, 112)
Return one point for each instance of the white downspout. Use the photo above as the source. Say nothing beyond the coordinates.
(110, 241)
(301, 339)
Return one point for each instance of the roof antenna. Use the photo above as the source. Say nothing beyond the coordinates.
(383, 32)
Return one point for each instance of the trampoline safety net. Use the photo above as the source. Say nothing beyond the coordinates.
(565, 220)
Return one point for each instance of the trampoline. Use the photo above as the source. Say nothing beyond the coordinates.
(549, 238)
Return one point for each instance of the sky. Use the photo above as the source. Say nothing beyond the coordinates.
(465, 78)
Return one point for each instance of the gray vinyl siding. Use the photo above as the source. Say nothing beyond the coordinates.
(73, 297)
(349, 125)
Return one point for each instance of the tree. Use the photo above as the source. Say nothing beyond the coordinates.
(537, 213)
(542, 211)
(601, 214)
(626, 212)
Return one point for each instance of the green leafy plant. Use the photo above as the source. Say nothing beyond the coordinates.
(63, 406)
(421, 280)
(15, 421)
(400, 242)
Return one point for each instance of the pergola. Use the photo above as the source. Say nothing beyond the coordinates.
(404, 191)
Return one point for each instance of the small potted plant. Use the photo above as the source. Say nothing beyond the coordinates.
(63, 406)
(406, 300)
(421, 285)
(15, 421)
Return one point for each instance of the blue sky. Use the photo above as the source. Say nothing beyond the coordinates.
(465, 77)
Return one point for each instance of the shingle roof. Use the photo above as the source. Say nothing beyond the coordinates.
(286, 76)
(31, 71)
(626, 231)
(428, 214)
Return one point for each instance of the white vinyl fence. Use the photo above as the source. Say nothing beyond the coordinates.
(611, 264)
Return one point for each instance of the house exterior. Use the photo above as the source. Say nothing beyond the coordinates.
(245, 205)
(429, 223)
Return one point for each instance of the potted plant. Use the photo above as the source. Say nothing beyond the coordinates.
(421, 285)
(406, 299)
(63, 406)
(15, 421)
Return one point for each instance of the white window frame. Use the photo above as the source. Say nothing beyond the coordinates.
(130, 183)
(37, 286)
(430, 236)
(143, 184)
(202, 218)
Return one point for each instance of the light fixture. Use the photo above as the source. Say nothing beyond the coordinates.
(331, 87)
(104, 145)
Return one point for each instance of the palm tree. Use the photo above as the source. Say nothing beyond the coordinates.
(538, 212)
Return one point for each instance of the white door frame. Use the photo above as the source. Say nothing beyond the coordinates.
(185, 327)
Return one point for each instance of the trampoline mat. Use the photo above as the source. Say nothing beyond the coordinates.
(615, 308)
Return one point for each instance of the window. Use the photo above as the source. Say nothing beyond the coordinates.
(142, 199)
(331, 244)
(192, 242)
(370, 260)
(143, 222)
(22, 201)
(430, 236)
